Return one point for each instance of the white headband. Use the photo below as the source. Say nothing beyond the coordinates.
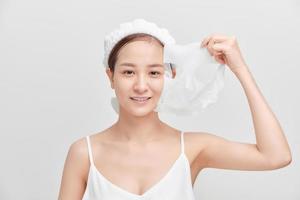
(137, 26)
(192, 89)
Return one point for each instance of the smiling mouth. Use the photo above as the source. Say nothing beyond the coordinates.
(140, 99)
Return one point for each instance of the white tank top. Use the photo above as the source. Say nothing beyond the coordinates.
(176, 184)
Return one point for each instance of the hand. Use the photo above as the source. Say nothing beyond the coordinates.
(225, 49)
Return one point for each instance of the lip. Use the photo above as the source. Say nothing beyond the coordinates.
(140, 97)
(141, 101)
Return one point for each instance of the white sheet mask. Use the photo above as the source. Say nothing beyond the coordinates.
(198, 81)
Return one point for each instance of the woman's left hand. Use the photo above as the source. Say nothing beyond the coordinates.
(225, 49)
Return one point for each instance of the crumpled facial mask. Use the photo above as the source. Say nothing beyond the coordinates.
(198, 81)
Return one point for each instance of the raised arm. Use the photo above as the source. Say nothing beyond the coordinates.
(271, 150)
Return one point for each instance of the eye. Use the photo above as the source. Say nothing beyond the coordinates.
(157, 73)
(129, 72)
(125, 72)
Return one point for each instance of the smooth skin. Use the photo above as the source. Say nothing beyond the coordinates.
(127, 149)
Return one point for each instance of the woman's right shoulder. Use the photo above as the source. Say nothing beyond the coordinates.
(76, 169)
(79, 148)
(78, 155)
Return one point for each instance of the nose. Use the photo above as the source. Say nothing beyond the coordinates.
(141, 84)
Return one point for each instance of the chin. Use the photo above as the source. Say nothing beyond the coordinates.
(141, 111)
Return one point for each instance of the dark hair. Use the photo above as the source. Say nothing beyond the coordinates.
(112, 59)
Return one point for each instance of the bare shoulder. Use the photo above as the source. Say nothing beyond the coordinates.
(75, 171)
(79, 150)
(78, 156)
(195, 143)
(198, 138)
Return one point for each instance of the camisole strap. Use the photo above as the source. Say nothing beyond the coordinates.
(90, 150)
(182, 142)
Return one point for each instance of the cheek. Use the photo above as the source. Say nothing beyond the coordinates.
(157, 85)
(123, 86)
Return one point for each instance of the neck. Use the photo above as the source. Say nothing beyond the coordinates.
(137, 129)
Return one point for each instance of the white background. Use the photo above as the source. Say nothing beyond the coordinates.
(54, 90)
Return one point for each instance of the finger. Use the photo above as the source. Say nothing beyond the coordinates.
(215, 37)
(209, 47)
(220, 47)
(220, 59)
(220, 38)
(218, 53)
(204, 42)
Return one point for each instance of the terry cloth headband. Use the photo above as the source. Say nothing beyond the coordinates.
(137, 26)
(194, 86)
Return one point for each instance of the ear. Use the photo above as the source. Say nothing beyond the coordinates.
(173, 72)
(110, 76)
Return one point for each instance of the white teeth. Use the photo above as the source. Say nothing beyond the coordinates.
(140, 99)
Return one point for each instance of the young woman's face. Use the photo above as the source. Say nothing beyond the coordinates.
(139, 72)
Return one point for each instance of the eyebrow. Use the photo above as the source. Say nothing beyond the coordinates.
(133, 65)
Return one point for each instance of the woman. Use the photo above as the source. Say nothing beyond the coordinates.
(141, 157)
